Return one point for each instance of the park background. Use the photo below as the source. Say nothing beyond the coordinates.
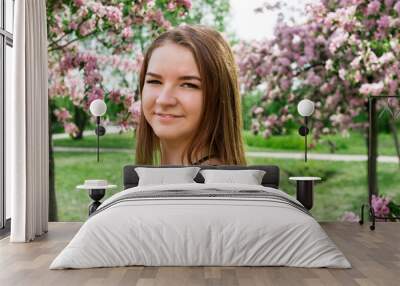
(336, 53)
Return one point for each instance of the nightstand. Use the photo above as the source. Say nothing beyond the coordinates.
(97, 190)
(304, 190)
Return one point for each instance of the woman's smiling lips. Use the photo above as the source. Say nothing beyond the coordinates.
(164, 117)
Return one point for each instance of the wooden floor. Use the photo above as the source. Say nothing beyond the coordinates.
(374, 255)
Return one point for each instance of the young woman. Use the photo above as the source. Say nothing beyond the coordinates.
(190, 101)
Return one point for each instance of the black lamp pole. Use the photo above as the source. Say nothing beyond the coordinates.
(100, 131)
(303, 131)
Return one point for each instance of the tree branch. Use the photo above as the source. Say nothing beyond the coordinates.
(58, 40)
(308, 68)
(57, 47)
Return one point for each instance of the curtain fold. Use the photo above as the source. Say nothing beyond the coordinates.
(29, 150)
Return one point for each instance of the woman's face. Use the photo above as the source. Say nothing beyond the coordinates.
(172, 95)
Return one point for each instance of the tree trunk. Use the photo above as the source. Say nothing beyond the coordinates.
(332, 146)
(52, 189)
(372, 143)
(393, 129)
(80, 119)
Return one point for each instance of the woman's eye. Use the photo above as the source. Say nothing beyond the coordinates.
(153, 81)
(190, 85)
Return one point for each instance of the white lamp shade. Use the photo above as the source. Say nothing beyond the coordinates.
(98, 107)
(305, 107)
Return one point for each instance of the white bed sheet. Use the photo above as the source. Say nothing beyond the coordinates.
(200, 231)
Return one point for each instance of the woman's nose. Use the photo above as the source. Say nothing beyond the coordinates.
(166, 96)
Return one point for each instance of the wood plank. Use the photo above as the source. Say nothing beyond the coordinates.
(374, 255)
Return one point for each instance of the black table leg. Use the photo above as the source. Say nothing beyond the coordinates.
(304, 193)
(96, 195)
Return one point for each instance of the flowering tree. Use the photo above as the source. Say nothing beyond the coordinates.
(344, 52)
(95, 52)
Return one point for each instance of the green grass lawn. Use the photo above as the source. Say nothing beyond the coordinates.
(123, 140)
(73, 168)
(355, 144)
(344, 185)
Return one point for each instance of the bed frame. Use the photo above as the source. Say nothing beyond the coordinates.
(270, 179)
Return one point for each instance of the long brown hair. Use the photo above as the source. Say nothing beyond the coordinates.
(220, 130)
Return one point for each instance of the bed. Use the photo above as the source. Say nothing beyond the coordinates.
(201, 223)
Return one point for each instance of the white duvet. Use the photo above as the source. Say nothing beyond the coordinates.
(183, 231)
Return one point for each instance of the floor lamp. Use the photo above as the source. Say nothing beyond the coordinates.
(98, 108)
(305, 109)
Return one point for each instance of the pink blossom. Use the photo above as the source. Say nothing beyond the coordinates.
(284, 83)
(396, 7)
(380, 205)
(115, 96)
(337, 40)
(350, 217)
(357, 76)
(128, 101)
(309, 52)
(313, 79)
(97, 8)
(171, 6)
(93, 78)
(373, 7)
(355, 64)
(156, 16)
(340, 119)
(255, 126)
(114, 14)
(87, 27)
(342, 74)
(387, 58)
(384, 22)
(267, 133)
(78, 3)
(329, 64)
(333, 100)
(326, 88)
(89, 61)
(127, 32)
(371, 88)
(389, 3)
(67, 62)
(135, 111)
(392, 87)
(95, 93)
(123, 124)
(83, 12)
(284, 61)
(258, 110)
(71, 129)
(185, 3)
(62, 114)
(73, 25)
(150, 4)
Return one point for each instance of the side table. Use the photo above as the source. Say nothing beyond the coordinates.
(304, 190)
(97, 190)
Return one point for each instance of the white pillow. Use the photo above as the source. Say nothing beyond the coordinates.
(163, 176)
(249, 177)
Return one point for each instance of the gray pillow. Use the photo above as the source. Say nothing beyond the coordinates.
(163, 176)
(248, 177)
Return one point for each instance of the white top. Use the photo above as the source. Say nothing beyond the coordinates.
(305, 178)
(90, 187)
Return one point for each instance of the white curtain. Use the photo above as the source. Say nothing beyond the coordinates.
(28, 145)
